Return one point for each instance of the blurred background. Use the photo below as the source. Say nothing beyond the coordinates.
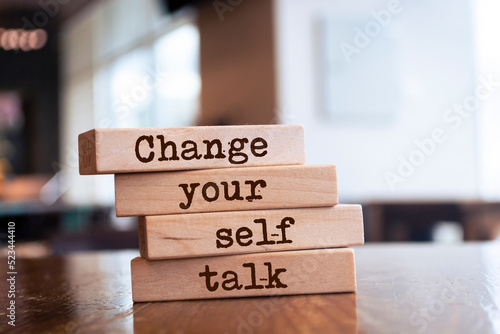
(403, 96)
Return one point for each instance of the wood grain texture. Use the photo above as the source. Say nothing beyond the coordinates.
(238, 232)
(143, 194)
(334, 313)
(111, 151)
(262, 274)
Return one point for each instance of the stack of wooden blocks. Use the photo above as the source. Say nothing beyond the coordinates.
(227, 211)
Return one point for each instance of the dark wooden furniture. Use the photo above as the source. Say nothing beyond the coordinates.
(404, 288)
(413, 220)
(65, 228)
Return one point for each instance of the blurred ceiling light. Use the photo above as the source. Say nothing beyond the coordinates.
(4, 40)
(37, 39)
(23, 41)
(26, 40)
(13, 38)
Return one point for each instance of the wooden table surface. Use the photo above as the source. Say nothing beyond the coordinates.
(403, 288)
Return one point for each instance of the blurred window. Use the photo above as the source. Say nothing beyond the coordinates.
(126, 64)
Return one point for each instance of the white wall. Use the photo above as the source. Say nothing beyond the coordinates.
(432, 50)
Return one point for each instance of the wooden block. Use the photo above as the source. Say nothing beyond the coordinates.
(226, 189)
(238, 232)
(261, 274)
(111, 151)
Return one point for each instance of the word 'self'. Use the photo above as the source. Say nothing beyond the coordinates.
(239, 232)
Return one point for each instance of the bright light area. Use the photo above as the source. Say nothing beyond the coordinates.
(488, 55)
(132, 89)
(176, 57)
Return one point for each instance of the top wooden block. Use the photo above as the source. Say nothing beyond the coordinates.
(112, 151)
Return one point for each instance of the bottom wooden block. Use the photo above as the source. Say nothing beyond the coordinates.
(263, 274)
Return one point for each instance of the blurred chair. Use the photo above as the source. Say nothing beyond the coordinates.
(415, 221)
